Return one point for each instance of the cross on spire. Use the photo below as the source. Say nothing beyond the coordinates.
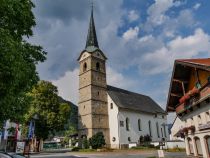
(91, 37)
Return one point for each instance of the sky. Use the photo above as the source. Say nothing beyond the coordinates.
(141, 39)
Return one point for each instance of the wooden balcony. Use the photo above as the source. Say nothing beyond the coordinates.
(188, 105)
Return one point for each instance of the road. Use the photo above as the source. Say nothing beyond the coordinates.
(108, 155)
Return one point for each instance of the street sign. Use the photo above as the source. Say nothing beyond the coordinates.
(20, 147)
(5, 134)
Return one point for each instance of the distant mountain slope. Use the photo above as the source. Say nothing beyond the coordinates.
(73, 118)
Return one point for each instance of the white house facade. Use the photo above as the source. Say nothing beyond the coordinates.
(189, 97)
(198, 142)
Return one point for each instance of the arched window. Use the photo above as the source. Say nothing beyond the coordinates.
(164, 128)
(127, 124)
(98, 66)
(199, 119)
(84, 67)
(207, 138)
(139, 124)
(150, 132)
(207, 116)
(111, 106)
(161, 131)
(198, 146)
(157, 127)
(190, 144)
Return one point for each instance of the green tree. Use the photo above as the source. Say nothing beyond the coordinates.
(18, 58)
(97, 140)
(52, 114)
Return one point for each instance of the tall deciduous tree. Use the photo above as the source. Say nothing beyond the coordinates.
(52, 114)
(18, 58)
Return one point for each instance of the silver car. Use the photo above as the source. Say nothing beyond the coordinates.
(7, 155)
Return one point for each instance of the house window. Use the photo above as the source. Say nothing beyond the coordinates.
(157, 127)
(207, 138)
(161, 132)
(127, 124)
(139, 124)
(163, 116)
(207, 117)
(199, 119)
(190, 144)
(150, 132)
(198, 146)
(121, 123)
(84, 67)
(129, 139)
(97, 66)
(164, 128)
(191, 122)
(111, 106)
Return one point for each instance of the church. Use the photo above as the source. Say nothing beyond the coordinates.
(121, 115)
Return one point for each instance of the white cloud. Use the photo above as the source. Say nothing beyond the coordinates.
(68, 85)
(196, 6)
(131, 33)
(161, 60)
(157, 11)
(133, 16)
(117, 79)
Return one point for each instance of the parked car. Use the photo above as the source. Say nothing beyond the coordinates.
(7, 155)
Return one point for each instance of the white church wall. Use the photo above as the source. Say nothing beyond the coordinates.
(113, 123)
(134, 132)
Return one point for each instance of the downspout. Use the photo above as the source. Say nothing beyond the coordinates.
(118, 127)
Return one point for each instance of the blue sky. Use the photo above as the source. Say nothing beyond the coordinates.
(141, 39)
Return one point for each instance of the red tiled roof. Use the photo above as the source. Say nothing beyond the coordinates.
(204, 62)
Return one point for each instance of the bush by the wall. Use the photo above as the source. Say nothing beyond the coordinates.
(97, 141)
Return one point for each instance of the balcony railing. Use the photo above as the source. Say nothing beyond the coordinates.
(188, 102)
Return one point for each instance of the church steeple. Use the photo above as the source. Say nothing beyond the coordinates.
(91, 37)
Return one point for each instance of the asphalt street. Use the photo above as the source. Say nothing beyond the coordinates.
(108, 155)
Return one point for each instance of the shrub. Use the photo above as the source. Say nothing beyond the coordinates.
(85, 143)
(97, 141)
(75, 149)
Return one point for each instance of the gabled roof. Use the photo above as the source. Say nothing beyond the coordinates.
(181, 72)
(133, 101)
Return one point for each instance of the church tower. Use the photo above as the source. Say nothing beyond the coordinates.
(93, 108)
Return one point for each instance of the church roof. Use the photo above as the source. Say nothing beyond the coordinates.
(92, 42)
(133, 101)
